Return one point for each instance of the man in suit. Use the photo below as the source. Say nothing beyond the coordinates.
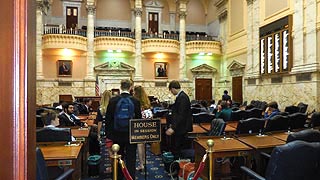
(161, 71)
(66, 117)
(86, 107)
(127, 150)
(181, 122)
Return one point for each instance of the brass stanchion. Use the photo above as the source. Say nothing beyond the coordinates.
(210, 144)
(115, 148)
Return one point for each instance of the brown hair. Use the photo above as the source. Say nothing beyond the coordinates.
(142, 96)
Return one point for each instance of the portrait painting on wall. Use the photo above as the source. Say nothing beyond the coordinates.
(64, 68)
(161, 69)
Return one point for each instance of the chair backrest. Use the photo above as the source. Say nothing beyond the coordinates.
(251, 125)
(302, 107)
(161, 113)
(291, 109)
(53, 134)
(297, 120)
(203, 117)
(195, 110)
(297, 160)
(277, 123)
(315, 119)
(238, 115)
(217, 127)
(254, 113)
(308, 135)
(41, 165)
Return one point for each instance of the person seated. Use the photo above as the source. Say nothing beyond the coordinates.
(272, 110)
(67, 118)
(224, 112)
(204, 106)
(51, 120)
(86, 107)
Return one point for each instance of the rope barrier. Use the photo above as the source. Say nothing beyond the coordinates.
(201, 167)
(125, 170)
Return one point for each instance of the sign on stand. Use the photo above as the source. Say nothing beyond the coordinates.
(145, 130)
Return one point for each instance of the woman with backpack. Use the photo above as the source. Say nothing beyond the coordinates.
(140, 94)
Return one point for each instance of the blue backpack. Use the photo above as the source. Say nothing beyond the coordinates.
(123, 113)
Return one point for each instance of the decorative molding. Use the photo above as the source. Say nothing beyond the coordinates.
(91, 9)
(44, 6)
(249, 2)
(223, 14)
(160, 45)
(106, 42)
(153, 3)
(220, 3)
(182, 14)
(64, 41)
(114, 68)
(203, 69)
(138, 11)
(235, 65)
(236, 68)
(195, 47)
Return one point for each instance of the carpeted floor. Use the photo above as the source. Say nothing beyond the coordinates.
(154, 167)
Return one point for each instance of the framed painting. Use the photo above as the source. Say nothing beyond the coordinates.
(64, 68)
(161, 69)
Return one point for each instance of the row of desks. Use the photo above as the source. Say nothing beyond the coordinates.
(69, 156)
(240, 146)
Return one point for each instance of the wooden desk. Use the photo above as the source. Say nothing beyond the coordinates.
(281, 135)
(65, 156)
(222, 148)
(233, 124)
(81, 135)
(261, 143)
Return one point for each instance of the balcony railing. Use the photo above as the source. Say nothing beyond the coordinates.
(60, 29)
(99, 33)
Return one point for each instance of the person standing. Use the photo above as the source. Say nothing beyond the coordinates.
(140, 94)
(121, 137)
(225, 96)
(181, 121)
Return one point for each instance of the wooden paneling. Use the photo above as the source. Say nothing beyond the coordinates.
(17, 94)
(204, 89)
(237, 89)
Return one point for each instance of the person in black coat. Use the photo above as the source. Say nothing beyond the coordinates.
(127, 150)
(225, 96)
(66, 117)
(181, 121)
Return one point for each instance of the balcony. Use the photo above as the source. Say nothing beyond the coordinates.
(103, 43)
(198, 46)
(160, 45)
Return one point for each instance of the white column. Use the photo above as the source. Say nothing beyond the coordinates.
(298, 35)
(249, 38)
(182, 39)
(255, 38)
(311, 30)
(91, 9)
(138, 54)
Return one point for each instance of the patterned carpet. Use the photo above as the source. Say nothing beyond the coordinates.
(154, 167)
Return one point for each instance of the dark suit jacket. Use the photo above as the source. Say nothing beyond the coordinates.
(65, 121)
(111, 133)
(181, 114)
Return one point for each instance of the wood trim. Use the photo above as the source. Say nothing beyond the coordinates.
(18, 95)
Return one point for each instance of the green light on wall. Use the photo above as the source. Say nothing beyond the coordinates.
(114, 54)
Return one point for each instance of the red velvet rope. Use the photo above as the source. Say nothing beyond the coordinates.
(125, 170)
(200, 168)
